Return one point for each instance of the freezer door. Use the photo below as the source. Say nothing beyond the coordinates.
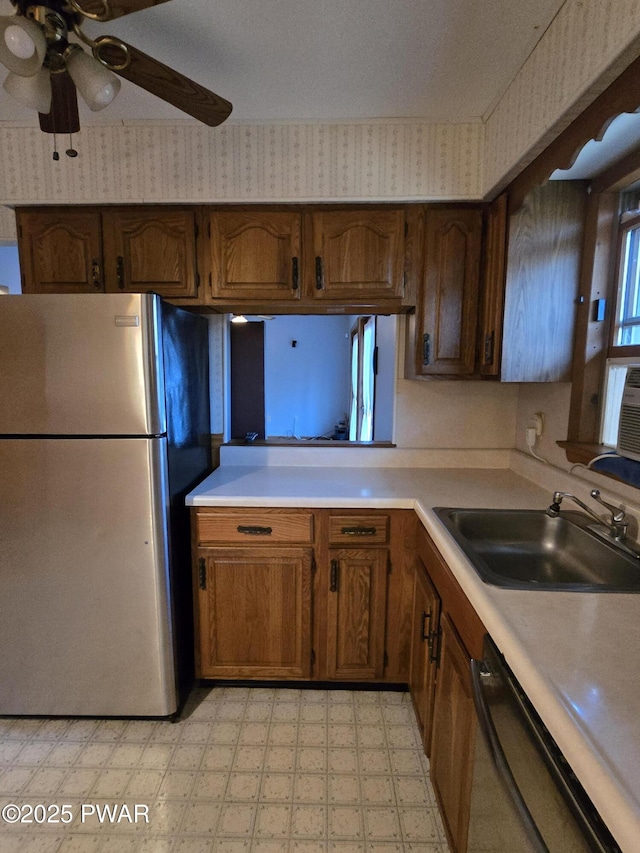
(85, 608)
(81, 364)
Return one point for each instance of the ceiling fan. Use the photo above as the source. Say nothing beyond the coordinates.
(46, 70)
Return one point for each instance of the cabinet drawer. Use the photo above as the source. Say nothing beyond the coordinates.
(360, 529)
(261, 527)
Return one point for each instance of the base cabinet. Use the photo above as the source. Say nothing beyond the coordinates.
(453, 737)
(422, 673)
(302, 594)
(447, 633)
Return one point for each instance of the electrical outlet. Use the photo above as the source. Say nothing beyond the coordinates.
(537, 423)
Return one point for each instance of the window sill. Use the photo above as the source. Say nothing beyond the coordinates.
(581, 452)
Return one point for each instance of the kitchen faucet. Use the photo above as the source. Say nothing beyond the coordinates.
(618, 524)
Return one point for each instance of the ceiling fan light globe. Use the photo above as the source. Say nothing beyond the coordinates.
(23, 45)
(19, 42)
(96, 84)
(32, 92)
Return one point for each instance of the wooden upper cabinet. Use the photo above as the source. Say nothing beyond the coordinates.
(491, 311)
(150, 250)
(356, 255)
(255, 255)
(542, 283)
(60, 250)
(447, 313)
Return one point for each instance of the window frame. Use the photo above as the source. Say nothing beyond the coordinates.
(624, 226)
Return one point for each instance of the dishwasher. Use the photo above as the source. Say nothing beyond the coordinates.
(524, 796)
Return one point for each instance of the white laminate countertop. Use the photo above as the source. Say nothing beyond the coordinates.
(575, 654)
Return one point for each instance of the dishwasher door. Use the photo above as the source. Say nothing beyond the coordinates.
(524, 796)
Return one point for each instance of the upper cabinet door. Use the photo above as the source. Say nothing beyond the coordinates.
(492, 307)
(448, 313)
(60, 250)
(255, 255)
(150, 250)
(356, 255)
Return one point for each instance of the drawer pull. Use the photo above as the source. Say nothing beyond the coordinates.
(359, 530)
(254, 530)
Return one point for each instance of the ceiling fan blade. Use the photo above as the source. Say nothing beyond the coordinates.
(63, 117)
(107, 10)
(164, 82)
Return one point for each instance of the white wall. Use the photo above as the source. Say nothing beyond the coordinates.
(440, 414)
(307, 385)
(552, 399)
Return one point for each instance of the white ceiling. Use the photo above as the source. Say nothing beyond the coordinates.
(278, 60)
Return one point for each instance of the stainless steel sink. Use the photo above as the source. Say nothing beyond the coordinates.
(527, 549)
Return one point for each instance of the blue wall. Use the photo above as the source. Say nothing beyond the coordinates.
(10, 268)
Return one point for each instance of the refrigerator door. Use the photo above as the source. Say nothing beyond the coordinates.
(85, 603)
(81, 364)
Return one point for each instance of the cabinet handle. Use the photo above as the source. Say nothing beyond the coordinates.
(426, 348)
(202, 572)
(120, 271)
(333, 582)
(319, 274)
(489, 345)
(426, 636)
(435, 643)
(358, 530)
(254, 530)
(295, 274)
(95, 273)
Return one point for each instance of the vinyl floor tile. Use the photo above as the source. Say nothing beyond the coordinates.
(245, 770)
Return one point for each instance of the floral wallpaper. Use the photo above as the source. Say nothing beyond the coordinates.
(588, 44)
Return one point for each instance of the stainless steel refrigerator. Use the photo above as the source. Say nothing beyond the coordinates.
(104, 427)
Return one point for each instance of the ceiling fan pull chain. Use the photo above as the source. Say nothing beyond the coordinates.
(56, 156)
(71, 151)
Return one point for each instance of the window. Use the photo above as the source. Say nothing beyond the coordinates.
(627, 323)
(363, 371)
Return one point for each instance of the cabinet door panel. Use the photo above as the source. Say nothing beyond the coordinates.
(356, 613)
(60, 251)
(542, 283)
(448, 310)
(453, 736)
(357, 255)
(492, 308)
(255, 255)
(426, 615)
(151, 250)
(255, 613)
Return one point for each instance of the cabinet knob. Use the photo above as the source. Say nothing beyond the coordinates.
(426, 348)
(333, 579)
(120, 271)
(95, 273)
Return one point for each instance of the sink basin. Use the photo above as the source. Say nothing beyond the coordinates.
(527, 549)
